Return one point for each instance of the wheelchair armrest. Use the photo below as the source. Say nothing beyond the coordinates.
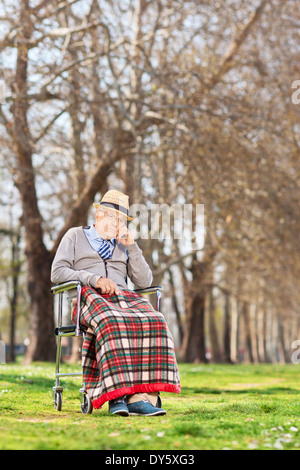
(64, 286)
(151, 290)
(148, 290)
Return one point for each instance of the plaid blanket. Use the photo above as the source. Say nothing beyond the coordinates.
(128, 347)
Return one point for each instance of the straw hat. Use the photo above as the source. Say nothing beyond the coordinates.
(115, 201)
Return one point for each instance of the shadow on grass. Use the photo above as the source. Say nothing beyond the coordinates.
(248, 391)
(36, 382)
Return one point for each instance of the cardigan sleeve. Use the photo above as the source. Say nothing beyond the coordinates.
(139, 271)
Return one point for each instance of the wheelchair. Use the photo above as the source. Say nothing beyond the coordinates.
(77, 330)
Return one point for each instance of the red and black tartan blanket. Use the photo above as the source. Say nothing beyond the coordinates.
(127, 349)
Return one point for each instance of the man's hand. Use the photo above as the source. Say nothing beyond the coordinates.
(107, 286)
(124, 236)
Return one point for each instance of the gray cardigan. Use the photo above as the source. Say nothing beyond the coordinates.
(75, 259)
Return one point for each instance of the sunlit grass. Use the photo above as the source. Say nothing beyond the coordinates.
(220, 407)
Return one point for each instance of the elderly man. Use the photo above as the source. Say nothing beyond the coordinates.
(128, 352)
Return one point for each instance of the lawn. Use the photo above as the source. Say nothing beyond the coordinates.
(238, 407)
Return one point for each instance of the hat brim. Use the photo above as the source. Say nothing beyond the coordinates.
(110, 209)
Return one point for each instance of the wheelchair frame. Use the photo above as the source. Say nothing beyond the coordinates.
(79, 330)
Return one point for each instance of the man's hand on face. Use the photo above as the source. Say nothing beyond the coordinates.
(124, 236)
(107, 286)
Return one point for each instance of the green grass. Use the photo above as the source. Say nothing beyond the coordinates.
(220, 407)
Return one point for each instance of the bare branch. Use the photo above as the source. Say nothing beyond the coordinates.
(172, 261)
(59, 8)
(60, 32)
(50, 124)
(227, 62)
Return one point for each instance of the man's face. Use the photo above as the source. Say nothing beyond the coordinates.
(109, 223)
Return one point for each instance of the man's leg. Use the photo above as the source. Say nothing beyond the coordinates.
(151, 397)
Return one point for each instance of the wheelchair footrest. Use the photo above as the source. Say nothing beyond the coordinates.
(69, 329)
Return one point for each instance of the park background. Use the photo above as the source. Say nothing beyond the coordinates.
(171, 102)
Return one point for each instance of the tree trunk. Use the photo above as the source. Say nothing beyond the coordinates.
(215, 346)
(227, 329)
(41, 346)
(281, 339)
(195, 348)
(267, 357)
(258, 330)
(175, 306)
(15, 272)
(248, 336)
(193, 345)
(234, 340)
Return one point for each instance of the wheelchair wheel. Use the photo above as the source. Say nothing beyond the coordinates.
(159, 402)
(58, 400)
(86, 406)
